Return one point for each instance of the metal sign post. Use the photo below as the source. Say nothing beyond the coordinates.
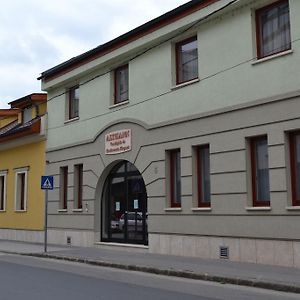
(46, 184)
(46, 221)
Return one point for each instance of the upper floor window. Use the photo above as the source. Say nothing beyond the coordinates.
(203, 176)
(186, 60)
(121, 84)
(175, 178)
(73, 102)
(295, 167)
(273, 29)
(260, 171)
(27, 115)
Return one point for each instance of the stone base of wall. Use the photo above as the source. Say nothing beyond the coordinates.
(30, 236)
(76, 237)
(59, 237)
(271, 252)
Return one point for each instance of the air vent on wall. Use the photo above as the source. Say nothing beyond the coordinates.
(224, 252)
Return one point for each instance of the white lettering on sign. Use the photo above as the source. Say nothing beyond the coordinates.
(118, 141)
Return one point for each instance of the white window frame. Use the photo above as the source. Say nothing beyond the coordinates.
(17, 173)
(4, 175)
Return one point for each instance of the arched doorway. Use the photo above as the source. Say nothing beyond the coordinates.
(124, 206)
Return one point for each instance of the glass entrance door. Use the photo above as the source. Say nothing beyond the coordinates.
(124, 209)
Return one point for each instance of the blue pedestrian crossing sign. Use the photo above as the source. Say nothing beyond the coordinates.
(47, 183)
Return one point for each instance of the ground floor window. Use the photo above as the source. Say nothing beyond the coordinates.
(63, 188)
(2, 190)
(175, 177)
(295, 166)
(20, 190)
(203, 176)
(124, 206)
(260, 171)
(78, 178)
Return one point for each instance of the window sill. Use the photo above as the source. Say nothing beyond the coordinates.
(201, 209)
(71, 120)
(258, 208)
(77, 210)
(293, 208)
(180, 85)
(2, 211)
(119, 104)
(22, 169)
(62, 210)
(170, 209)
(261, 60)
(21, 211)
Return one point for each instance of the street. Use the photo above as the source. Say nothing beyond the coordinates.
(23, 277)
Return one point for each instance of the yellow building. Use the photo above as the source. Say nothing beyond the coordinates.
(22, 163)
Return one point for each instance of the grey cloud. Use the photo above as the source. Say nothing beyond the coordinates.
(36, 35)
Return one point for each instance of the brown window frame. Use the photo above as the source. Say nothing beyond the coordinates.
(64, 186)
(258, 14)
(78, 185)
(256, 202)
(174, 172)
(117, 82)
(72, 99)
(295, 200)
(200, 177)
(177, 53)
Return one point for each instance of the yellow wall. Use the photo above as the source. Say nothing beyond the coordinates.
(32, 156)
(42, 107)
(6, 120)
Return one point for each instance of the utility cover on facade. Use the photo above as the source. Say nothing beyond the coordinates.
(47, 182)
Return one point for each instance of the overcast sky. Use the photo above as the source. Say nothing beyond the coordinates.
(36, 35)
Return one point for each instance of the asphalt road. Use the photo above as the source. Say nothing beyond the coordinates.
(35, 278)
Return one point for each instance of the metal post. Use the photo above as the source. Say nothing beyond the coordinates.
(46, 220)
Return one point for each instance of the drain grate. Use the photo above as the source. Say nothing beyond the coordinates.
(224, 252)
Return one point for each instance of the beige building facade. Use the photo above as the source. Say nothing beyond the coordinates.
(182, 136)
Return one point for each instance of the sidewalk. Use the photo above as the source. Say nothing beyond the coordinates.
(263, 276)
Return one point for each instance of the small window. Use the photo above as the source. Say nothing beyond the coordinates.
(273, 29)
(73, 102)
(186, 60)
(2, 191)
(27, 115)
(63, 187)
(20, 190)
(78, 176)
(260, 171)
(295, 167)
(203, 176)
(121, 85)
(175, 178)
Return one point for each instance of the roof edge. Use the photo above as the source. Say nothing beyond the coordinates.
(140, 31)
(6, 112)
(27, 100)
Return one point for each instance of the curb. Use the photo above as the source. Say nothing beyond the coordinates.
(176, 273)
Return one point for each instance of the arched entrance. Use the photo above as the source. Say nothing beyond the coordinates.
(124, 206)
